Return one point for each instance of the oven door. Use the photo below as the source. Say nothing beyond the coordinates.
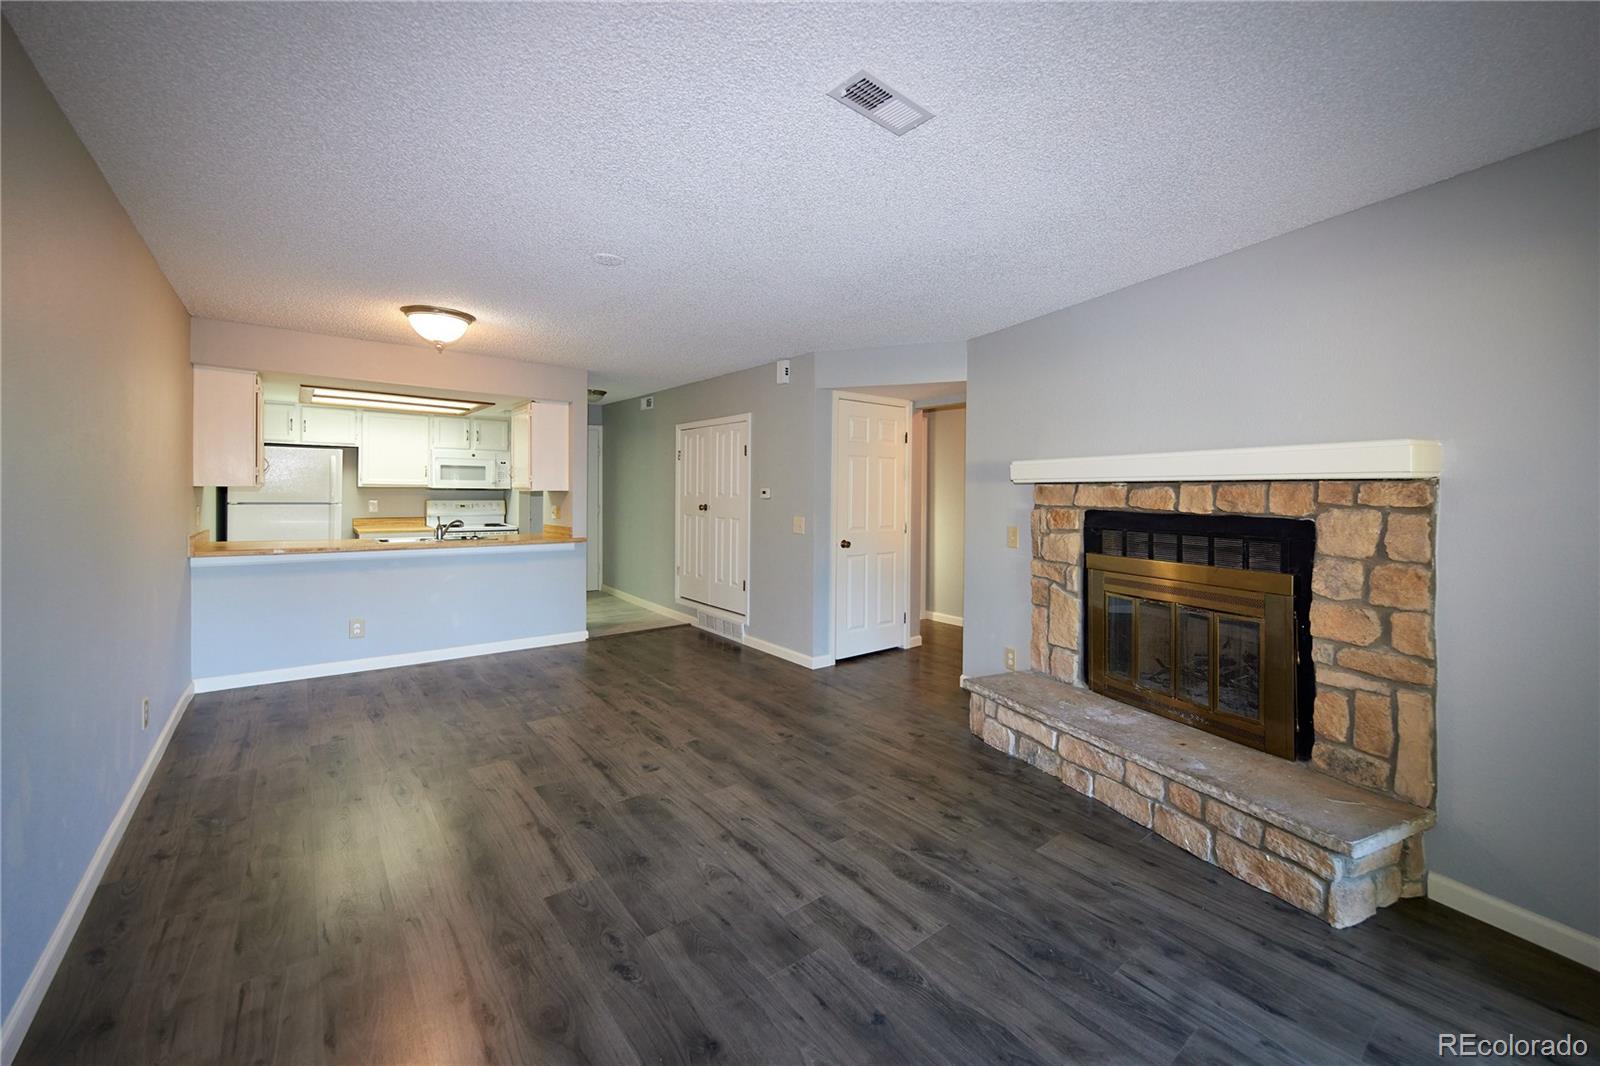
(452, 469)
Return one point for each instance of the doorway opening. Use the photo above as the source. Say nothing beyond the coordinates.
(887, 589)
(944, 473)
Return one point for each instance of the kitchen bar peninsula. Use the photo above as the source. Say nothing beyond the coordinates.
(269, 611)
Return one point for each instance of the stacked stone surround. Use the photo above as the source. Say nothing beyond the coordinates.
(1341, 879)
(1371, 611)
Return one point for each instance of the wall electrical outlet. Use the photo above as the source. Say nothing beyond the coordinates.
(799, 523)
(372, 506)
(1011, 537)
(1011, 658)
(783, 372)
(144, 713)
(358, 628)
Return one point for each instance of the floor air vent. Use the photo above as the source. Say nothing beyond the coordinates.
(866, 95)
(722, 627)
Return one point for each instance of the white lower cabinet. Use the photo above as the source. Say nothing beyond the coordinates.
(395, 451)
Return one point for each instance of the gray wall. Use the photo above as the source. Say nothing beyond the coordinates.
(947, 472)
(96, 469)
(1467, 312)
(639, 479)
(259, 615)
(863, 369)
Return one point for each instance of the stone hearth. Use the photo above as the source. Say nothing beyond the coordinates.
(1324, 846)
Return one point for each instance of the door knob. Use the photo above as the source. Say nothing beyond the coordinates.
(704, 507)
(844, 544)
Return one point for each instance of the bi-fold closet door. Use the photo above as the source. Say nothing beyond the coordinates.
(714, 514)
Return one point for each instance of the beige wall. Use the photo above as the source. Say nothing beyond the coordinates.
(947, 474)
(96, 471)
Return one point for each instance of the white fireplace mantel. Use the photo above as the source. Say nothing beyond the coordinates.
(1352, 460)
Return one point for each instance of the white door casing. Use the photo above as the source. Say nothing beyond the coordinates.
(594, 525)
(871, 524)
(713, 514)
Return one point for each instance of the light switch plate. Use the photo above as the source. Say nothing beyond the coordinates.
(372, 506)
(799, 523)
(1011, 536)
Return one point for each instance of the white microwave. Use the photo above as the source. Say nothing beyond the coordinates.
(452, 468)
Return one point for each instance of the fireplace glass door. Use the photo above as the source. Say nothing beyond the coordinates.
(1210, 646)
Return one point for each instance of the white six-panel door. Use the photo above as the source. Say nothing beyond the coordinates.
(870, 526)
(713, 514)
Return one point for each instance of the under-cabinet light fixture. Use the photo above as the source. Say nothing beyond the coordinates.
(388, 401)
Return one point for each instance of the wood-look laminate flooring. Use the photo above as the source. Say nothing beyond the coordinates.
(609, 616)
(662, 848)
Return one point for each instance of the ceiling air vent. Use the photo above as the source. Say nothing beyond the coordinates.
(866, 95)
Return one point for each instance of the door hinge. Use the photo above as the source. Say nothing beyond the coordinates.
(744, 586)
(904, 617)
(747, 449)
(680, 455)
(908, 438)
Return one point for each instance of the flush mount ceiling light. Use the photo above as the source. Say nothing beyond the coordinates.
(388, 401)
(438, 326)
(869, 96)
(608, 259)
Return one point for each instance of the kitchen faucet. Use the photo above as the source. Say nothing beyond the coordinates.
(444, 527)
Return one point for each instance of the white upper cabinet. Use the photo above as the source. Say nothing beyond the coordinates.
(280, 423)
(491, 435)
(395, 450)
(330, 425)
(290, 423)
(471, 434)
(541, 447)
(227, 427)
(451, 432)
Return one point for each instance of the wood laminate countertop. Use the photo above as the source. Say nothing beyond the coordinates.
(417, 524)
(233, 549)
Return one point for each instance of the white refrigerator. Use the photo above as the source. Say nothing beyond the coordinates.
(301, 498)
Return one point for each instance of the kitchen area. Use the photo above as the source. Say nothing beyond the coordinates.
(345, 524)
(373, 464)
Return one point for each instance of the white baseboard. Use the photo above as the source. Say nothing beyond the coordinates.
(383, 662)
(1575, 944)
(947, 619)
(810, 662)
(639, 601)
(55, 949)
(915, 642)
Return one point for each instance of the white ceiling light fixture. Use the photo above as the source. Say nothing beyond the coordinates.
(869, 96)
(608, 259)
(388, 401)
(438, 326)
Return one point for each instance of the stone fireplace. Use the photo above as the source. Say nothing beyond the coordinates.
(1289, 619)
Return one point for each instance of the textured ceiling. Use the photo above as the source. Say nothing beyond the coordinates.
(314, 166)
